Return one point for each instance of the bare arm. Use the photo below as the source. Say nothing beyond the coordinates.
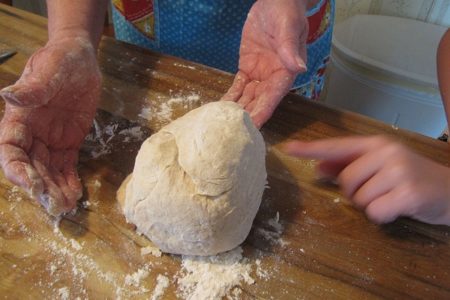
(443, 68)
(76, 18)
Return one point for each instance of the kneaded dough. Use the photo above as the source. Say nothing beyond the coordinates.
(197, 184)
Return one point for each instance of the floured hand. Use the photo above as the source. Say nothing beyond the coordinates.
(272, 53)
(48, 113)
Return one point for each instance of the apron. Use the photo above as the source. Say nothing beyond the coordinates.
(209, 32)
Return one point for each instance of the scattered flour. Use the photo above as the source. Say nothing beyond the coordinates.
(14, 195)
(63, 293)
(337, 200)
(75, 245)
(101, 137)
(273, 234)
(164, 113)
(213, 277)
(53, 268)
(86, 204)
(275, 223)
(260, 272)
(135, 133)
(97, 183)
(183, 66)
(135, 278)
(162, 282)
(235, 294)
(93, 187)
(15, 189)
(146, 113)
(151, 250)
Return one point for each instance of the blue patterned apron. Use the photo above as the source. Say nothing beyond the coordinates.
(209, 32)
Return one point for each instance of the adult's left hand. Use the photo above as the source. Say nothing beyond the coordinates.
(272, 53)
(48, 113)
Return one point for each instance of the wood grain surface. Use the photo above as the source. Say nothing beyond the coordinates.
(326, 250)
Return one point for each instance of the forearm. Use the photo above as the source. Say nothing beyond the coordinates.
(76, 18)
(443, 68)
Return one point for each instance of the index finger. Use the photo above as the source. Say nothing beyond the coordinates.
(335, 149)
(18, 169)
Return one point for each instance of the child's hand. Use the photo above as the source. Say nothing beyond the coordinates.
(383, 177)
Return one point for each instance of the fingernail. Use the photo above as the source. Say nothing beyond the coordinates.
(291, 147)
(45, 200)
(325, 178)
(50, 205)
(9, 95)
(301, 64)
(286, 147)
(35, 184)
(8, 89)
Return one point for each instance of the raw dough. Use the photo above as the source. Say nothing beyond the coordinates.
(197, 183)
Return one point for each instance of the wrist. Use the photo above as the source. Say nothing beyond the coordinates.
(72, 33)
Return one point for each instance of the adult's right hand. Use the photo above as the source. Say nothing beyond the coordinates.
(48, 113)
(272, 53)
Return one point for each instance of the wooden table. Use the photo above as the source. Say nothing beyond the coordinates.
(330, 250)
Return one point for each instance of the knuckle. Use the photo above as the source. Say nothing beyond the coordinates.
(360, 200)
(346, 186)
(374, 215)
(410, 194)
(380, 141)
(397, 171)
(394, 148)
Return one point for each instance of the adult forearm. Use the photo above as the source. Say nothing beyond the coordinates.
(443, 67)
(76, 18)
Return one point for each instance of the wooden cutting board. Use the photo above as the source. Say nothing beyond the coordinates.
(325, 249)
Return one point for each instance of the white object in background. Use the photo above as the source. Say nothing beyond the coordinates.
(385, 67)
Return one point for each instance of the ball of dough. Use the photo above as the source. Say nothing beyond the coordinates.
(197, 183)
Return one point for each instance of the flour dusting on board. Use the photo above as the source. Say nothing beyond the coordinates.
(108, 134)
(151, 250)
(74, 269)
(102, 136)
(164, 112)
(213, 277)
(73, 266)
(162, 282)
(99, 141)
(63, 293)
(136, 278)
(272, 232)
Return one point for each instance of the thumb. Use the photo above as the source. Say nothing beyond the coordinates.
(26, 94)
(292, 50)
(293, 55)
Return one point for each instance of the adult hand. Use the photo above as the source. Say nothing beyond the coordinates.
(272, 53)
(48, 113)
(383, 177)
